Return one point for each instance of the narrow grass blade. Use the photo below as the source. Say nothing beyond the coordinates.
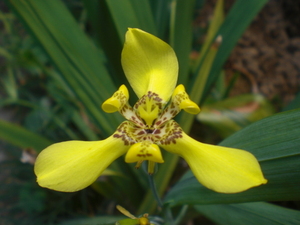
(81, 64)
(135, 14)
(161, 14)
(249, 214)
(181, 35)
(21, 137)
(186, 120)
(216, 22)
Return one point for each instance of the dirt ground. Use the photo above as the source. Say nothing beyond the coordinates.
(268, 54)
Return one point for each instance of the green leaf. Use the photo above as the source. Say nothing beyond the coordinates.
(274, 137)
(83, 68)
(134, 13)
(216, 22)
(276, 144)
(161, 14)
(94, 17)
(116, 17)
(250, 214)
(186, 120)
(207, 55)
(10, 84)
(237, 20)
(21, 137)
(80, 63)
(181, 35)
(203, 65)
(144, 15)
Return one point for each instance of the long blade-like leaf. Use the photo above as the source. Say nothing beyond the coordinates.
(275, 142)
(250, 214)
(181, 35)
(135, 13)
(81, 64)
(21, 137)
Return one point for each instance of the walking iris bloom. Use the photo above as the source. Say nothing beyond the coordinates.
(151, 68)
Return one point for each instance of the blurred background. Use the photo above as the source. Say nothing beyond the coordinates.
(260, 77)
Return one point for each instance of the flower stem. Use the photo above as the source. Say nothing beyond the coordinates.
(181, 214)
(154, 191)
(168, 213)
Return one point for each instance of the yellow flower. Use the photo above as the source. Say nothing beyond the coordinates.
(151, 68)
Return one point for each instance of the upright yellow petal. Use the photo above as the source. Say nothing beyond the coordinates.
(73, 165)
(222, 169)
(149, 64)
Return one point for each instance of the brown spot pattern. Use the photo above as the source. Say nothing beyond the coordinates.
(164, 130)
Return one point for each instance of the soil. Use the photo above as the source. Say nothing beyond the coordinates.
(267, 56)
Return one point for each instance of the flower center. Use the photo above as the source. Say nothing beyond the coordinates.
(149, 123)
(148, 109)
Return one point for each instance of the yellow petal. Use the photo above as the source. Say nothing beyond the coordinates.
(73, 165)
(149, 64)
(222, 169)
(117, 101)
(181, 98)
(144, 151)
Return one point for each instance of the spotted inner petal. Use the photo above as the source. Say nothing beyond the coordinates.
(145, 150)
(149, 123)
(149, 108)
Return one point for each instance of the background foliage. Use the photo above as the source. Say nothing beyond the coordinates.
(61, 60)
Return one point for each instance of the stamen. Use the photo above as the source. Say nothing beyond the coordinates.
(151, 167)
(138, 164)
